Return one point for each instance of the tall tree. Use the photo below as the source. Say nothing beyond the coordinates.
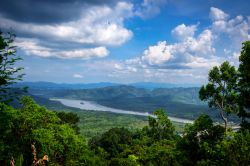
(160, 127)
(244, 84)
(199, 140)
(220, 92)
(9, 73)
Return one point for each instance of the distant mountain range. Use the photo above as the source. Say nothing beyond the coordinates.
(152, 85)
(124, 92)
(178, 101)
(146, 85)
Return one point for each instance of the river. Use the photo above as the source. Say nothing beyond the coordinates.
(90, 105)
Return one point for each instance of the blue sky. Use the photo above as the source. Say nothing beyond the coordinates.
(83, 41)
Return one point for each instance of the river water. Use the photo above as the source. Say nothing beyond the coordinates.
(90, 105)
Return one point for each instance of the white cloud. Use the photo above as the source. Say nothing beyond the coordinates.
(187, 60)
(118, 66)
(202, 45)
(236, 55)
(236, 29)
(131, 69)
(32, 47)
(182, 32)
(191, 57)
(120, 71)
(77, 75)
(158, 54)
(180, 53)
(113, 68)
(217, 14)
(201, 62)
(98, 25)
(150, 8)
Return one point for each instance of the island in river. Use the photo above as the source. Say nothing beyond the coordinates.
(90, 105)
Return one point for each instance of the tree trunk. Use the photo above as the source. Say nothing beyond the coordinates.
(224, 119)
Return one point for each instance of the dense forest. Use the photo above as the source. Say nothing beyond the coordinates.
(33, 135)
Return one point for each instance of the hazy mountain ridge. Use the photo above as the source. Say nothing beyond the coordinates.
(184, 95)
(179, 102)
(51, 85)
(146, 85)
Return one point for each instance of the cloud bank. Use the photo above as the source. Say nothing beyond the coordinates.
(193, 53)
(98, 26)
(89, 31)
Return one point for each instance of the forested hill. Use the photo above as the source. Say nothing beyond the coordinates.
(110, 90)
(178, 102)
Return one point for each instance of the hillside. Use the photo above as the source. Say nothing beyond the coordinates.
(178, 102)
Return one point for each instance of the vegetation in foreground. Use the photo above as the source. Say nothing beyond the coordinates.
(32, 135)
(57, 136)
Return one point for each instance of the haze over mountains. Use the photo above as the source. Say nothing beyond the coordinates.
(178, 101)
(146, 85)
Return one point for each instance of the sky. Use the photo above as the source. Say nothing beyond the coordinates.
(86, 41)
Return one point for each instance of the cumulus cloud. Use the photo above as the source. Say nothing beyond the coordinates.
(178, 55)
(182, 32)
(217, 14)
(77, 75)
(118, 66)
(120, 71)
(47, 11)
(195, 53)
(95, 27)
(158, 54)
(201, 62)
(235, 29)
(98, 25)
(150, 8)
(32, 47)
(189, 58)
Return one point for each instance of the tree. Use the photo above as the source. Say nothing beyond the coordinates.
(235, 149)
(160, 127)
(31, 124)
(9, 74)
(199, 140)
(113, 141)
(244, 84)
(70, 118)
(221, 92)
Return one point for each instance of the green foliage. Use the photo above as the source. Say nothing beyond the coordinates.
(236, 148)
(202, 143)
(113, 141)
(160, 127)
(221, 92)
(35, 124)
(244, 84)
(199, 140)
(160, 153)
(153, 145)
(71, 119)
(9, 74)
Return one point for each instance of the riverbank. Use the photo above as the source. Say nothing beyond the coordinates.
(90, 105)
